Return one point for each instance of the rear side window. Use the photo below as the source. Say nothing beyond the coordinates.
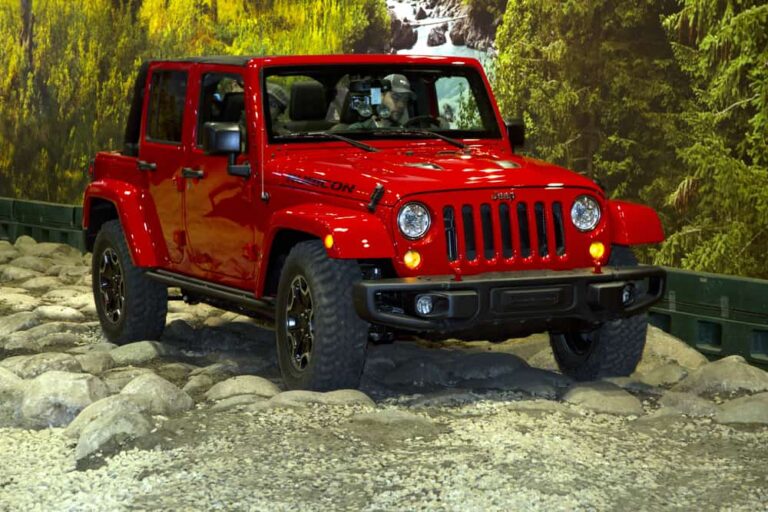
(166, 106)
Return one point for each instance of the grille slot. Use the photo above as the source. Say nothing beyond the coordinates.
(449, 221)
(541, 228)
(489, 250)
(557, 213)
(522, 225)
(468, 219)
(506, 231)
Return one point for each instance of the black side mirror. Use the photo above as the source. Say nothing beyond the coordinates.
(225, 139)
(516, 132)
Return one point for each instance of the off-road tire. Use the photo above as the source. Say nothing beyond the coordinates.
(145, 302)
(337, 354)
(612, 350)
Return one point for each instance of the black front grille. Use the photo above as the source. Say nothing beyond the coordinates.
(505, 230)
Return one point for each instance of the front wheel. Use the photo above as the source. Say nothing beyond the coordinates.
(612, 350)
(321, 341)
(131, 307)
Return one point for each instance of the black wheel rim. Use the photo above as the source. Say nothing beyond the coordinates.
(299, 323)
(111, 285)
(579, 343)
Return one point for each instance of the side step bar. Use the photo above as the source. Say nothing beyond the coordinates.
(235, 296)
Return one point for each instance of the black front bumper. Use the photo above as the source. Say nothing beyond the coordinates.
(506, 304)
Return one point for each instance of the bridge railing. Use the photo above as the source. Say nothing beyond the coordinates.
(716, 314)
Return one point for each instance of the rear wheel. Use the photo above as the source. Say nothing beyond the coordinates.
(612, 350)
(131, 307)
(321, 341)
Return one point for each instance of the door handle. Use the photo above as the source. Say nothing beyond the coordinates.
(146, 166)
(188, 172)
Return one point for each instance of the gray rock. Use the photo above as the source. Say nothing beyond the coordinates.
(70, 274)
(484, 365)
(41, 284)
(242, 385)
(110, 431)
(95, 362)
(10, 273)
(58, 340)
(421, 372)
(57, 328)
(142, 352)
(662, 348)
(534, 381)
(604, 397)
(24, 243)
(688, 404)
(445, 398)
(122, 403)
(16, 302)
(60, 295)
(103, 346)
(175, 371)
(117, 378)
(7, 255)
(164, 398)
(198, 385)
(544, 359)
(28, 367)
(33, 263)
(178, 330)
(404, 36)
(748, 409)
(391, 418)
(436, 37)
(56, 398)
(726, 375)
(53, 250)
(79, 301)
(631, 384)
(218, 371)
(59, 314)
(237, 401)
(421, 14)
(339, 397)
(665, 375)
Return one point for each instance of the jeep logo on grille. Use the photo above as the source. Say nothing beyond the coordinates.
(502, 196)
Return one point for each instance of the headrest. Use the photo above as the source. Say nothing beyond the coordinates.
(307, 101)
(232, 107)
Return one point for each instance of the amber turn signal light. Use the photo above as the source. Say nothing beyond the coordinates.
(328, 241)
(412, 259)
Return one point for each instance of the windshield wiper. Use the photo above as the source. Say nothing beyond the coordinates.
(329, 135)
(423, 131)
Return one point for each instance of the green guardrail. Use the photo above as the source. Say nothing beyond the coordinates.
(716, 314)
(45, 222)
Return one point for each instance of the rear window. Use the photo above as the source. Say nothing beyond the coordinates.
(166, 106)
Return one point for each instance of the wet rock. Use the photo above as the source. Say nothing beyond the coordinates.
(403, 35)
(41, 284)
(748, 409)
(95, 362)
(604, 397)
(28, 367)
(300, 398)
(56, 398)
(33, 263)
(436, 37)
(117, 378)
(458, 33)
(163, 397)
(662, 348)
(10, 273)
(484, 365)
(59, 314)
(666, 375)
(726, 375)
(242, 385)
(109, 432)
(16, 302)
(142, 352)
(421, 14)
(237, 401)
(688, 404)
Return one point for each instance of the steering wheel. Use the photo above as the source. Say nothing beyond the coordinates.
(420, 121)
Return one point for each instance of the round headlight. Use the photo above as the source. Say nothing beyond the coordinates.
(585, 213)
(413, 220)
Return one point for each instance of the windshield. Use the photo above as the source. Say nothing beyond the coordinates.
(370, 102)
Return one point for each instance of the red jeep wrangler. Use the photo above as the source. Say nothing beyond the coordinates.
(348, 198)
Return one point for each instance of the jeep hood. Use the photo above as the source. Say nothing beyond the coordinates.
(403, 173)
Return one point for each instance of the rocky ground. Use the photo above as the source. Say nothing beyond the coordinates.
(199, 420)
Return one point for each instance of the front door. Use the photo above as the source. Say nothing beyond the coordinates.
(219, 208)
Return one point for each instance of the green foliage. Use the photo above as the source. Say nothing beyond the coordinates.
(69, 74)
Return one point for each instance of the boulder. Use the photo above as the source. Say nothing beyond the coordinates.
(117, 378)
(604, 397)
(10, 273)
(726, 375)
(436, 37)
(534, 381)
(544, 359)
(665, 375)
(688, 404)
(8, 254)
(70, 274)
(747, 409)
(41, 284)
(421, 14)
(95, 362)
(419, 372)
(142, 352)
(58, 339)
(164, 398)
(237, 401)
(403, 34)
(60, 295)
(242, 385)
(53, 250)
(28, 367)
(198, 385)
(109, 432)
(24, 243)
(16, 302)
(59, 314)
(484, 365)
(55, 398)
(33, 263)
(121, 403)
(662, 348)
(339, 397)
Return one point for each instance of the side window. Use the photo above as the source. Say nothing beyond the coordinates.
(457, 103)
(222, 100)
(166, 106)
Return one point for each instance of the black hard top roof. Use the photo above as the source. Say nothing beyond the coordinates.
(228, 60)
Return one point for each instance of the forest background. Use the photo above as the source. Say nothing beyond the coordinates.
(663, 102)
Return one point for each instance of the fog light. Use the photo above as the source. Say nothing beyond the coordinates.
(628, 294)
(424, 305)
(328, 241)
(596, 250)
(412, 259)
